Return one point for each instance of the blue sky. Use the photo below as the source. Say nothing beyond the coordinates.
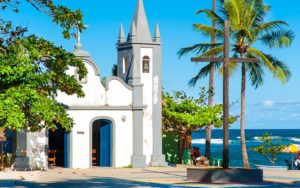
(271, 106)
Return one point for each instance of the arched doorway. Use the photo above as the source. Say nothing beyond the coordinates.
(59, 144)
(102, 147)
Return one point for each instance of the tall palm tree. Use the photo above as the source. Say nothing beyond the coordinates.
(247, 28)
(211, 86)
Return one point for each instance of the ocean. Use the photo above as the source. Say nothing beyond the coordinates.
(280, 136)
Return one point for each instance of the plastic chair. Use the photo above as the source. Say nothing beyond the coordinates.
(52, 158)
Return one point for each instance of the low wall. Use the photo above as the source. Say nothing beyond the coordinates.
(218, 175)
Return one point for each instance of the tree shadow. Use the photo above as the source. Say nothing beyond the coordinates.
(73, 183)
(114, 182)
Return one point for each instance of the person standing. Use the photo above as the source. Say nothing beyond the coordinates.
(297, 161)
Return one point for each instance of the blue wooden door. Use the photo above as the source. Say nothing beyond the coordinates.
(66, 150)
(105, 144)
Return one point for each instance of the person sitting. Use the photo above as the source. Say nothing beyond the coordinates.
(195, 153)
(297, 161)
(202, 161)
(288, 164)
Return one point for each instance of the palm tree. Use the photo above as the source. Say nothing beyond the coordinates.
(247, 28)
(210, 70)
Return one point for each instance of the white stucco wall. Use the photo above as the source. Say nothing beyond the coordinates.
(146, 79)
(81, 143)
(93, 89)
(118, 94)
(36, 150)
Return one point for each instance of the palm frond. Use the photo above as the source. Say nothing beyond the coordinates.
(263, 59)
(213, 52)
(282, 71)
(269, 27)
(256, 74)
(208, 31)
(203, 73)
(279, 39)
(261, 10)
(213, 16)
(222, 10)
(197, 48)
(234, 10)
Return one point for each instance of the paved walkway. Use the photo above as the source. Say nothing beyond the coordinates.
(144, 178)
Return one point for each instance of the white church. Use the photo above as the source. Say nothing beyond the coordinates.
(117, 124)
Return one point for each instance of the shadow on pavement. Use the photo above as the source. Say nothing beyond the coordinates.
(86, 183)
(119, 183)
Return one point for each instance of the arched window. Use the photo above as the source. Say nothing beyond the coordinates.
(125, 62)
(146, 64)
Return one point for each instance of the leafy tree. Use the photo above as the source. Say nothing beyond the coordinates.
(114, 70)
(269, 148)
(33, 70)
(185, 114)
(247, 28)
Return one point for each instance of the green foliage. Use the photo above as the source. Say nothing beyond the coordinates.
(61, 15)
(170, 142)
(181, 111)
(33, 71)
(269, 149)
(114, 70)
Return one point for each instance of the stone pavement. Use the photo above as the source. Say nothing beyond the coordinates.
(144, 178)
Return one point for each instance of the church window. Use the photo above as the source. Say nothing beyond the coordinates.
(81, 81)
(146, 64)
(125, 62)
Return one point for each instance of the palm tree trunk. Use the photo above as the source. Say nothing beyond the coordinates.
(210, 103)
(180, 147)
(243, 107)
(188, 139)
(211, 91)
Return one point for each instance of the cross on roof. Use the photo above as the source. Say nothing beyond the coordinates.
(226, 60)
(78, 45)
(78, 35)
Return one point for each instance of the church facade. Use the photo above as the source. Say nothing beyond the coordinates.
(117, 124)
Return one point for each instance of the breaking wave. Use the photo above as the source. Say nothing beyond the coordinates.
(295, 139)
(202, 141)
(252, 140)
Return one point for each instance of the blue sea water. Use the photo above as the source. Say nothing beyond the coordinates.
(284, 137)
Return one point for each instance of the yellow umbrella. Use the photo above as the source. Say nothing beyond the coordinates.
(293, 148)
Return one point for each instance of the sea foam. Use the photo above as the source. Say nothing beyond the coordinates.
(295, 139)
(202, 141)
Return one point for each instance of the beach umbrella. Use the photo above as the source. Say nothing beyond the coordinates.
(293, 148)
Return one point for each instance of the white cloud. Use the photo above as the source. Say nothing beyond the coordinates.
(268, 103)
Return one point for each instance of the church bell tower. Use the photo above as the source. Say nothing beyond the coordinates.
(140, 65)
